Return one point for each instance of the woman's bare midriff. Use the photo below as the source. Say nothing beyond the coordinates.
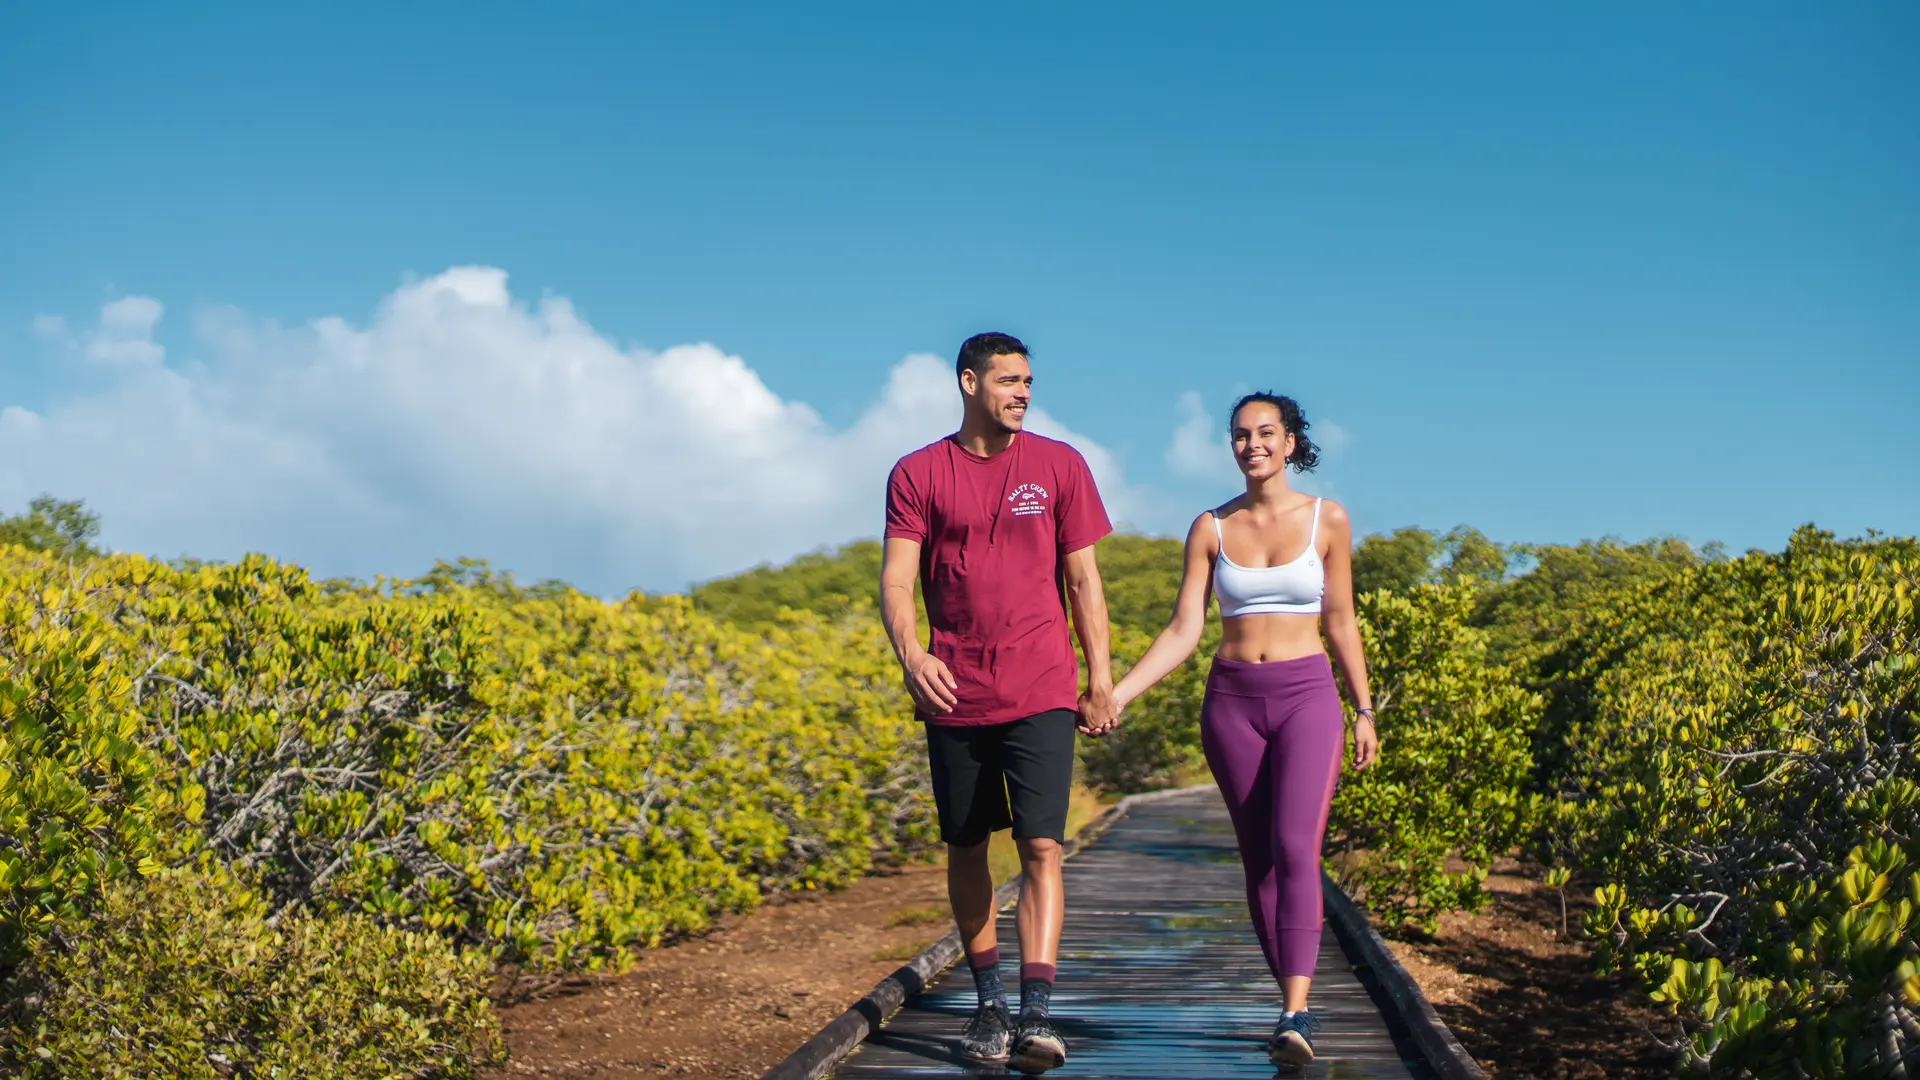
(1263, 639)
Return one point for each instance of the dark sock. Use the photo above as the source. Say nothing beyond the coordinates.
(986, 976)
(1036, 989)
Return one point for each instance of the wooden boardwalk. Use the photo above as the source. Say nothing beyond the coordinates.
(1160, 975)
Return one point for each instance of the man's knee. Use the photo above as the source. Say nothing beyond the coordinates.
(967, 856)
(1040, 852)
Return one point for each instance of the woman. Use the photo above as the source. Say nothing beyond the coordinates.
(1271, 723)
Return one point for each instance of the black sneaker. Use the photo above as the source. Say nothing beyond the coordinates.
(1036, 1046)
(1292, 1039)
(988, 1034)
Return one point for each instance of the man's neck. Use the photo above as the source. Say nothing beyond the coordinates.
(983, 440)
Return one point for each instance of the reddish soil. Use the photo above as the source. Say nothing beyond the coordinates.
(730, 1004)
(1524, 1000)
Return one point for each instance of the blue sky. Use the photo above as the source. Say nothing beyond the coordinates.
(1624, 269)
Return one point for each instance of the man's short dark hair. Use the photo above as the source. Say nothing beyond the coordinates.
(979, 350)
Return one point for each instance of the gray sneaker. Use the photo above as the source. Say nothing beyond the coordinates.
(989, 1032)
(1292, 1039)
(1037, 1047)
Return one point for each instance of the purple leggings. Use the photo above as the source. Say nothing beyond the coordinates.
(1273, 734)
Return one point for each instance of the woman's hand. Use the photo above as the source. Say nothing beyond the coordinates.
(1366, 744)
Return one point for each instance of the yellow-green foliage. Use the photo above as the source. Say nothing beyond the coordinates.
(181, 975)
(1140, 576)
(1737, 760)
(828, 582)
(1450, 780)
(536, 777)
(541, 771)
(1566, 585)
(1157, 744)
(549, 778)
(61, 527)
(78, 802)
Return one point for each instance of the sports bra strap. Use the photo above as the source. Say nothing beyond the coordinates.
(1313, 530)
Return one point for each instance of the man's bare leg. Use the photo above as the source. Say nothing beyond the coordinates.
(989, 1034)
(1037, 1047)
(1043, 902)
(970, 891)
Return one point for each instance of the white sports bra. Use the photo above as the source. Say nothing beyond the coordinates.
(1292, 588)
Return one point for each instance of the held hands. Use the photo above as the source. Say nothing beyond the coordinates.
(930, 683)
(1366, 742)
(1099, 711)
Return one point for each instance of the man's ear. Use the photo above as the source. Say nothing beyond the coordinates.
(969, 382)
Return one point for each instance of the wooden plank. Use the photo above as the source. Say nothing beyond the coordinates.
(818, 1055)
(1160, 975)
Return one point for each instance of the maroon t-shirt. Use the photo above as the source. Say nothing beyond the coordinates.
(992, 533)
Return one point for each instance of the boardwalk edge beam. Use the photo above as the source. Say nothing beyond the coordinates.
(1436, 1042)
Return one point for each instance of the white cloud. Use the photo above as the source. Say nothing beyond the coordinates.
(125, 333)
(459, 422)
(1199, 447)
(1330, 437)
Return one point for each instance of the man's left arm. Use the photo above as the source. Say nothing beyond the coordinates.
(1088, 602)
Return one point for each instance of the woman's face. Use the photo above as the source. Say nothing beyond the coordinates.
(1261, 441)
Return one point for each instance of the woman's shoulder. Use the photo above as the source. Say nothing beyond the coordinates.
(1214, 514)
(1333, 516)
(1226, 509)
(1202, 530)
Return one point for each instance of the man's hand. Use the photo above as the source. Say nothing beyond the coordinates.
(930, 683)
(1099, 711)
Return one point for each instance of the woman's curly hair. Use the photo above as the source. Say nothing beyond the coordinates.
(1305, 455)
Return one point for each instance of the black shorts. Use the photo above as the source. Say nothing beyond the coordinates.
(987, 777)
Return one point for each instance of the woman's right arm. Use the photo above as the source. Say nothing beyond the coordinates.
(1182, 635)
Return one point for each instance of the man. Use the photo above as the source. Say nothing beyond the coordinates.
(996, 523)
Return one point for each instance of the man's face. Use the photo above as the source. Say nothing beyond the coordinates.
(1002, 393)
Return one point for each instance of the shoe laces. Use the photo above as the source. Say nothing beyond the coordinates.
(1303, 1022)
(990, 1014)
(1036, 1024)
